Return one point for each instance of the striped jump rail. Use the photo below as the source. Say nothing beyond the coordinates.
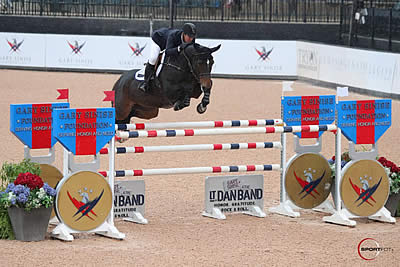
(197, 124)
(191, 170)
(226, 131)
(197, 147)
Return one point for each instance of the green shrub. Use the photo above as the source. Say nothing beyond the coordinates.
(10, 171)
(6, 231)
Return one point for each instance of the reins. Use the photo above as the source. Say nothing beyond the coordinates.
(191, 69)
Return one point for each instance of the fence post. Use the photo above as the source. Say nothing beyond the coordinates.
(270, 10)
(352, 14)
(341, 20)
(171, 14)
(130, 9)
(390, 28)
(373, 28)
(151, 24)
(86, 8)
(41, 7)
(222, 9)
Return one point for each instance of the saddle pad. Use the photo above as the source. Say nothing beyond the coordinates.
(140, 73)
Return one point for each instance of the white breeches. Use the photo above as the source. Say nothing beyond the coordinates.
(154, 52)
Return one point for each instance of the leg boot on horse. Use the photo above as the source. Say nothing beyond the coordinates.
(148, 73)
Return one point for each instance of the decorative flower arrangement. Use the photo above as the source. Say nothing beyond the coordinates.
(29, 192)
(345, 159)
(392, 170)
(8, 173)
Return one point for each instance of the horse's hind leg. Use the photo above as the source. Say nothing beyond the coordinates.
(125, 121)
(181, 104)
(142, 112)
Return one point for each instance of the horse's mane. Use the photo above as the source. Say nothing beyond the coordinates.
(197, 50)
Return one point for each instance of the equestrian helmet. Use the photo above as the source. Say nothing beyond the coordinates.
(189, 29)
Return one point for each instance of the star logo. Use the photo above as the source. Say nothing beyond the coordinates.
(76, 47)
(85, 206)
(14, 45)
(136, 49)
(263, 53)
(365, 192)
(308, 185)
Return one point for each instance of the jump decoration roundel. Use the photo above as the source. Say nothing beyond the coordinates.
(83, 201)
(52, 176)
(364, 188)
(308, 180)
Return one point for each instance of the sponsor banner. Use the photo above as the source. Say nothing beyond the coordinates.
(396, 79)
(364, 121)
(22, 49)
(232, 194)
(372, 70)
(32, 124)
(307, 60)
(129, 197)
(84, 131)
(308, 110)
(130, 52)
(357, 68)
(265, 58)
(96, 52)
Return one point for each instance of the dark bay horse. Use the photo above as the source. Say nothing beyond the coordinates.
(182, 77)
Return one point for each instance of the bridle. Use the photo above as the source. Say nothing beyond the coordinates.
(197, 76)
(209, 64)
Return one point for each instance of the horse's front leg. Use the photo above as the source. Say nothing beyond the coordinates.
(184, 100)
(202, 107)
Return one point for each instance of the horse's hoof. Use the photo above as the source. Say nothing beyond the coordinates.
(177, 107)
(119, 139)
(201, 109)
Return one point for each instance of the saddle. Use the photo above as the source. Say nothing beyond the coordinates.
(139, 76)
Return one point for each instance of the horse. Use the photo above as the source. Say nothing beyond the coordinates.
(182, 77)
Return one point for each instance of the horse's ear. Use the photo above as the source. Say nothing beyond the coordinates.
(215, 48)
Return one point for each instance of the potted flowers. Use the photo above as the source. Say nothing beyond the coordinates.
(29, 202)
(393, 171)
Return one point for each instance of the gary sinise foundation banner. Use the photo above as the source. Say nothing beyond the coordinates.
(252, 58)
(371, 70)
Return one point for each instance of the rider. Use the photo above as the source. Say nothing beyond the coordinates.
(173, 41)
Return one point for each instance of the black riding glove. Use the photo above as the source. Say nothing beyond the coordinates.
(182, 46)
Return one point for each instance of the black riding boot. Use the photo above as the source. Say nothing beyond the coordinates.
(148, 72)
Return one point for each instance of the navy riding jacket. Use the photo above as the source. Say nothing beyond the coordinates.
(168, 39)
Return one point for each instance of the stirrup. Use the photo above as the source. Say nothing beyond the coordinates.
(143, 87)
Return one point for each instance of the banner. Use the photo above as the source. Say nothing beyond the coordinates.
(22, 49)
